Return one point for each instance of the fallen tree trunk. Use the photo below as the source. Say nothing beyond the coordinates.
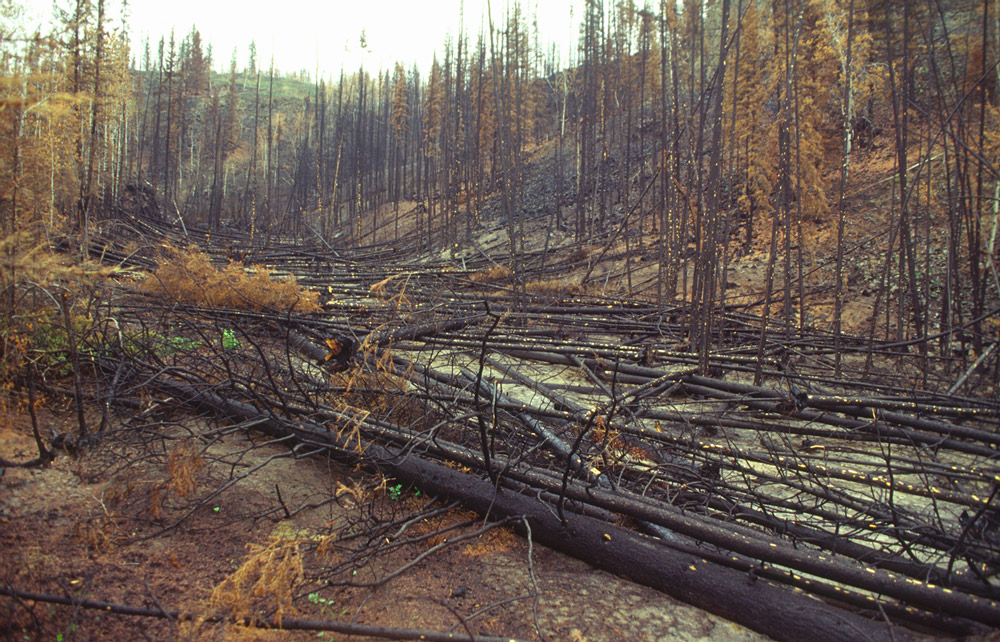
(411, 332)
(759, 605)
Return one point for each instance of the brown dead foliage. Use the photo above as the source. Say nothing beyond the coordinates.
(382, 391)
(188, 275)
(183, 465)
(265, 582)
(490, 543)
(554, 288)
(492, 274)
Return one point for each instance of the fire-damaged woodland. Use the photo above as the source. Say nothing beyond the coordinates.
(693, 337)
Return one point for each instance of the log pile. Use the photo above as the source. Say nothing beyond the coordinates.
(766, 490)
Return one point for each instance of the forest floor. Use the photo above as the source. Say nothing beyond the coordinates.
(82, 527)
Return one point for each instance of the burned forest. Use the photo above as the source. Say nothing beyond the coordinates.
(685, 328)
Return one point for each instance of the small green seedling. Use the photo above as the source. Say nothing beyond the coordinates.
(323, 602)
(229, 340)
(396, 491)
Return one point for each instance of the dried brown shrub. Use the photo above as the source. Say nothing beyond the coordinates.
(100, 531)
(188, 275)
(582, 253)
(396, 297)
(379, 289)
(492, 274)
(382, 391)
(265, 582)
(157, 495)
(553, 287)
(35, 278)
(183, 465)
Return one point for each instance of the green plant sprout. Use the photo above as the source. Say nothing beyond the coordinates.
(396, 491)
(229, 340)
(323, 602)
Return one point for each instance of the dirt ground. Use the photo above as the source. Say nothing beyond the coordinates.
(139, 520)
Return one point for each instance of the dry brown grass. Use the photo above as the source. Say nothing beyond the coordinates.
(188, 275)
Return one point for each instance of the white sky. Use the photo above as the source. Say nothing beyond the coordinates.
(300, 32)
